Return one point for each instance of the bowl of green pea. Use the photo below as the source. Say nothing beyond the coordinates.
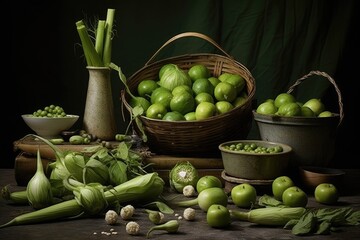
(255, 159)
(49, 121)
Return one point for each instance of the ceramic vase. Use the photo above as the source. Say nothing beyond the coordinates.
(99, 119)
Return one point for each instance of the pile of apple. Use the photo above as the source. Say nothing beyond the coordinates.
(285, 190)
(285, 104)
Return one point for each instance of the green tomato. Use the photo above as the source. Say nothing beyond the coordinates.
(218, 216)
(294, 197)
(208, 182)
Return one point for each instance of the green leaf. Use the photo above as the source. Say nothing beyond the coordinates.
(290, 224)
(118, 172)
(137, 111)
(337, 216)
(96, 171)
(306, 224)
(92, 149)
(164, 208)
(122, 151)
(268, 201)
(324, 228)
(103, 155)
(353, 218)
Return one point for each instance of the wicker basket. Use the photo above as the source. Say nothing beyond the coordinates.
(202, 137)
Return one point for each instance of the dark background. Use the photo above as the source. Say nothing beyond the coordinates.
(47, 66)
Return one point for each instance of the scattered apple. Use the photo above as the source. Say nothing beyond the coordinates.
(326, 193)
(243, 195)
(294, 197)
(218, 216)
(279, 185)
(208, 181)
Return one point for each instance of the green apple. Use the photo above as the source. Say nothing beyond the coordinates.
(325, 114)
(307, 112)
(315, 105)
(284, 98)
(279, 185)
(326, 193)
(243, 195)
(294, 197)
(208, 181)
(210, 196)
(289, 109)
(218, 216)
(267, 108)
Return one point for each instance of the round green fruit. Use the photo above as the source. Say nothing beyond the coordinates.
(279, 185)
(208, 181)
(326, 193)
(315, 105)
(294, 197)
(218, 216)
(243, 195)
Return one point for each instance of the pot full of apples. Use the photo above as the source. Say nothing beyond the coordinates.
(308, 127)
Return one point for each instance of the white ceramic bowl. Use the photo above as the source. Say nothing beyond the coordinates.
(49, 127)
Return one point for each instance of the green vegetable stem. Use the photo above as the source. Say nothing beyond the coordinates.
(17, 198)
(171, 226)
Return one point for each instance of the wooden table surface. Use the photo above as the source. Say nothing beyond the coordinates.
(198, 229)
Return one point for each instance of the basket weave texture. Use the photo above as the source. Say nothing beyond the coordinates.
(201, 137)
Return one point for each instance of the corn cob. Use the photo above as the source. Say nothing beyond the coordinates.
(271, 216)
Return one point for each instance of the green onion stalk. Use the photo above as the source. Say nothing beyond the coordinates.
(141, 189)
(98, 54)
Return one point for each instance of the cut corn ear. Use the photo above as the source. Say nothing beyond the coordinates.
(271, 216)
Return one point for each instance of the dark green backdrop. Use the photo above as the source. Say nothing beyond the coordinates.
(279, 41)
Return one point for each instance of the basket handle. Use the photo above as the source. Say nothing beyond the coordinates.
(188, 34)
(331, 80)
